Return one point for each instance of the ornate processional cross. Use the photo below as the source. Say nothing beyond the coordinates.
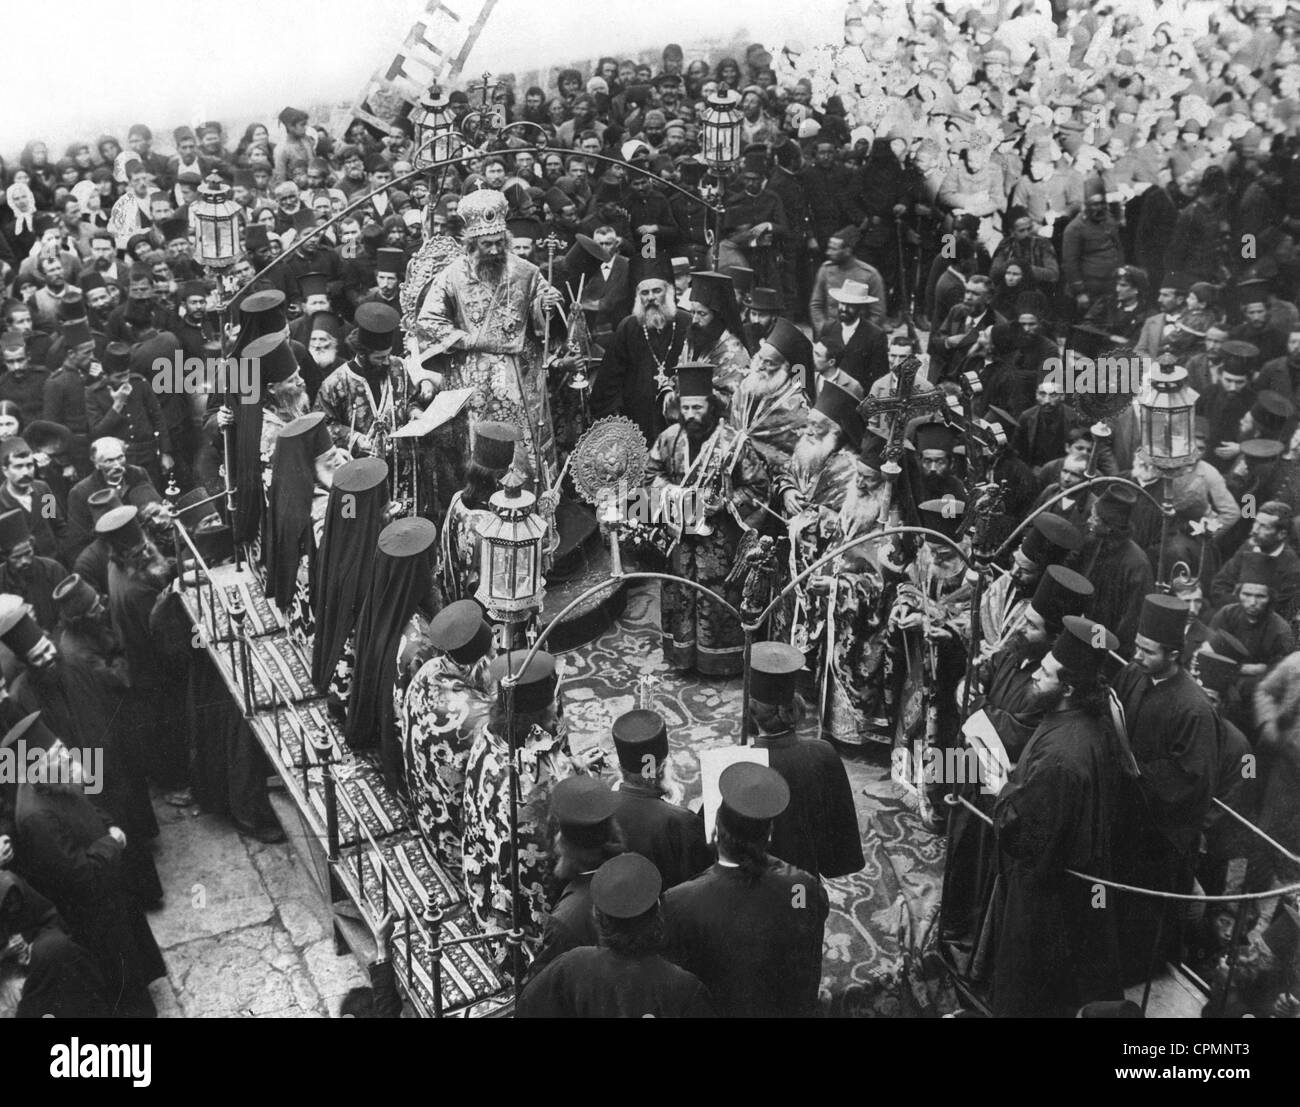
(904, 406)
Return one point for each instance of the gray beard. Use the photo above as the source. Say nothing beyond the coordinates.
(489, 269)
(810, 455)
(323, 358)
(293, 406)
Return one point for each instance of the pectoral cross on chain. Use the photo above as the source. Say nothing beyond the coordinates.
(904, 406)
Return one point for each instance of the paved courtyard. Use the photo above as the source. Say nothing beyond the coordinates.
(245, 929)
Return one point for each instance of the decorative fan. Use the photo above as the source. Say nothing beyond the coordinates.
(609, 460)
(1112, 391)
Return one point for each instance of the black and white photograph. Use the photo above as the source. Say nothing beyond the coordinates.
(611, 510)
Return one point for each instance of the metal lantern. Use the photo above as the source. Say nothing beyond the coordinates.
(435, 127)
(1167, 409)
(216, 224)
(511, 585)
(720, 125)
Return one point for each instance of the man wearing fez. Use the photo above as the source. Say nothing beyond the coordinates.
(541, 740)
(708, 483)
(73, 854)
(818, 831)
(1055, 947)
(1174, 739)
(647, 807)
(624, 974)
(46, 521)
(25, 574)
(441, 709)
(489, 310)
(1114, 563)
(770, 405)
(635, 376)
(751, 926)
(1048, 541)
(582, 811)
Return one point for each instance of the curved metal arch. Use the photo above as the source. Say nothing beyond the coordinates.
(447, 163)
(512, 678)
(874, 536)
(1028, 520)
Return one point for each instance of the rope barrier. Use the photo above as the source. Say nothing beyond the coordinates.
(1182, 897)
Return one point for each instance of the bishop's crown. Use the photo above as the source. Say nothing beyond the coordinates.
(484, 212)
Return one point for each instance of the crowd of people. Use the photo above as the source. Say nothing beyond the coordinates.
(854, 329)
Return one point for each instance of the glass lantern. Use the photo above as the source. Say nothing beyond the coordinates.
(511, 585)
(435, 125)
(720, 127)
(216, 220)
(1167, 414)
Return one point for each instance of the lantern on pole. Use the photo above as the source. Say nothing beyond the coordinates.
(216, 225)
(435, 127)
(1167, 415)
(720, 127)
(511, 585)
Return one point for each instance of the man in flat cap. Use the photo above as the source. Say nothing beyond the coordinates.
(123, 404)
(751, 926)
(1174, 738)
(1091, 250)
(624, 975)
(818, 831)
(1055, 947)
(652, 822)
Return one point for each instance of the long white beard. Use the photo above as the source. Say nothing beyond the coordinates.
(323, 358)
(811, 454)
(655, 317)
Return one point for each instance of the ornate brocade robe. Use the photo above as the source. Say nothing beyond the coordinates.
(500, 326)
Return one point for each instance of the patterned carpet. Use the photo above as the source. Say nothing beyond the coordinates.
(879, 960)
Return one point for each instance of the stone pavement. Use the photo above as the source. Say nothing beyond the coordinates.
(245, 929)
